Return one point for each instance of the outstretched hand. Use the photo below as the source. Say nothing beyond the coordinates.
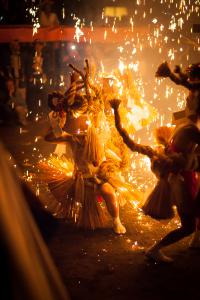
(115, 103)
(163, 70)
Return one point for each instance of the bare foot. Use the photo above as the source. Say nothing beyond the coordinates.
(158, 256)
(118, 227)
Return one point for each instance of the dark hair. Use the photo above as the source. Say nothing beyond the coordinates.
(59, 103)
(193, 70)
(56, 101)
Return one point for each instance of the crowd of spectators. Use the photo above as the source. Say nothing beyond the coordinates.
(55, 12)
(29, 71)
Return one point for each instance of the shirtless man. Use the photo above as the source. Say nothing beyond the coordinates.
(183, 184)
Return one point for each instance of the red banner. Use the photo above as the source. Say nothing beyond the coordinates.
(68, 34)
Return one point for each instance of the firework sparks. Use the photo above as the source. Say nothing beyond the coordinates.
(165, 39)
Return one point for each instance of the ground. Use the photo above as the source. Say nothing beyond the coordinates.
(100, 264)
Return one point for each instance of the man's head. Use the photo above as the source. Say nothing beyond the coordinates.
(193, 72)
(47, 6)
(195, 118)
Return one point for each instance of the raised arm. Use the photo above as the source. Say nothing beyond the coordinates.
(146, 150)
(190, 85)
(177, 76)
(165, 71)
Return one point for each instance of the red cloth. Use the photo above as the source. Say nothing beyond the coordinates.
(99, 199)
(191, 181)
(190, 177)
(65, 33)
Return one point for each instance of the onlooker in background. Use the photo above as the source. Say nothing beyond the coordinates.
(8, 116)
(15, 61)
(38, 62)
(15, 102)
(48, 18)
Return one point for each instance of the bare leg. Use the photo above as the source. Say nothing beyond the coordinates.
(108, 194)
(176, 235)
(187, 227)
(195, 241)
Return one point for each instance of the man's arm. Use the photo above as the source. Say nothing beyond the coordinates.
(184, 82)
(146, 150)
(50, 137)
(180, 79)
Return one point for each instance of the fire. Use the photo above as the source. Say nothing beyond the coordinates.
(165, 40)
